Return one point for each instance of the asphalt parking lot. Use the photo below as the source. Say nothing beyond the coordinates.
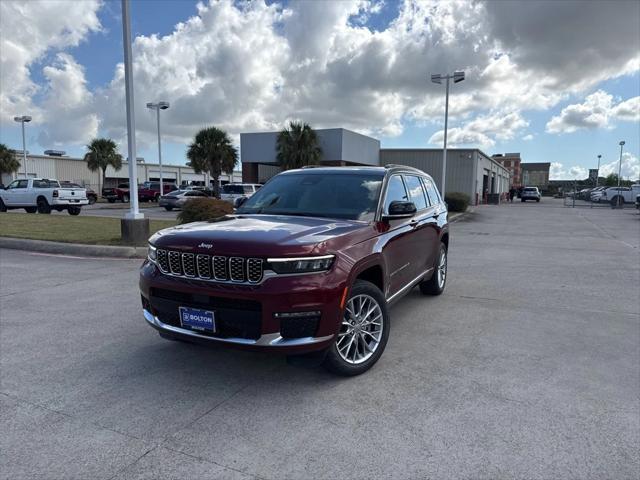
(528, 366)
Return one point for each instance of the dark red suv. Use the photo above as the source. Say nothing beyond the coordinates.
(309, 263)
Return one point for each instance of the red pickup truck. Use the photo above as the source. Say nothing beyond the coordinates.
(147, 192)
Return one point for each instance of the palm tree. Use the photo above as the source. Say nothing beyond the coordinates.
(102, 153)
(8, 161)
(212, 151)
(298, 146)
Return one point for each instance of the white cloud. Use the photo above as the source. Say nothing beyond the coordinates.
(460, 137)
(28, 31)
(250, 66)
(630, 167)
(528, 137)
(68, 105)
(558, 171)
(597, 111)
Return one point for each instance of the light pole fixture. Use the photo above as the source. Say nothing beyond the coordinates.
(157, 107)
(598, 171)
(437, 78)
(23, 119)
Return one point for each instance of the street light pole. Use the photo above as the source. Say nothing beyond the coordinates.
(134, 212)
(23, 119)
(157, 107)
(437, 78)
(598, 171)
(620, 164)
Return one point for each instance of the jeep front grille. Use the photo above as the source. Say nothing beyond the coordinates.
(211, 267)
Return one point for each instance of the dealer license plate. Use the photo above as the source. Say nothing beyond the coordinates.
(196, 319)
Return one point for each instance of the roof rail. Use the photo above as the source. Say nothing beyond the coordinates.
(312, 166)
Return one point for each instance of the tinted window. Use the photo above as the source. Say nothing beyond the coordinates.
(352, 196)
(22, 184)
(13, 184)
(233, 189)
(416, 192)
(395, 192)
(248, 189)
(432, 191)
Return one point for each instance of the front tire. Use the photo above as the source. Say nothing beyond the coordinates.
(31, 209)
(363, 334)
(3, 207)
(438, 281)
(92, 200)
(168, 209)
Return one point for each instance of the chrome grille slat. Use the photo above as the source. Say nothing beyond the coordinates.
(175, 263)
(254, 270)
(163, 260)
(203, 263)
(220, 268)
(189, 264)
(236, 269)
(212, 268)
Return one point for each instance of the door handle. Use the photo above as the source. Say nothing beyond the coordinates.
(414, 223)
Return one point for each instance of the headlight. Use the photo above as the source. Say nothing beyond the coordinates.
(151, 253)
(300, 265)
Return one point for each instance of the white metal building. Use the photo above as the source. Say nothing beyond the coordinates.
(75, 170)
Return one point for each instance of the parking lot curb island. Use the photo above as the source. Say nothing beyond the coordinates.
(45, 246)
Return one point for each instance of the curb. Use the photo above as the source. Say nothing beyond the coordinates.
(45, 246)
(456, 217)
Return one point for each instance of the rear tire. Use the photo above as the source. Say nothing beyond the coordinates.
(125, 198)
(538, 200)
(522, 200)
(363, 333)
(43, 206)
(92, 200)
(31, 209)
(111, 200)
(74, 211)
(438, 281)
(617, 201)
(168, 209)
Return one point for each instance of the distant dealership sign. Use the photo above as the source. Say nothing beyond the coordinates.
(593, 174)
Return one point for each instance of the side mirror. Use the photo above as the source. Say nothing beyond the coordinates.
(240, 201)
(398, 209)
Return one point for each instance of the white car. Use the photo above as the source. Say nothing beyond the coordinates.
(42, 195)
(233, 191)
(619, 195)
(530, 193)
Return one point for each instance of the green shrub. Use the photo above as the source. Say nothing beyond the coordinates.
(457, 201)
(202, 209)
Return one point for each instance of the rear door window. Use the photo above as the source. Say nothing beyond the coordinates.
(416, 192)
(432, 191)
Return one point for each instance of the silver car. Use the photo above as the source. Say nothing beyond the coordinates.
(177, 198)
(530, 193)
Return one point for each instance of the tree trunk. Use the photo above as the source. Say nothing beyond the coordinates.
(104, 176)
(216, 185)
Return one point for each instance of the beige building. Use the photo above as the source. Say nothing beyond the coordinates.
(536, 175)
(75, 170)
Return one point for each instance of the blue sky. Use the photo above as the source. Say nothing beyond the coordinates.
(554, 95)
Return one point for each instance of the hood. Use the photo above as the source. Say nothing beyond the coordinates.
(264, 235)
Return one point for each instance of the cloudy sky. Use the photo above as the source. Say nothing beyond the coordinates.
(557, 81)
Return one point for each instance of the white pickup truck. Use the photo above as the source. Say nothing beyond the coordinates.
(42, 195)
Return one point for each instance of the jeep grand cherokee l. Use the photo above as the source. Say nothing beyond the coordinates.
(309, 263)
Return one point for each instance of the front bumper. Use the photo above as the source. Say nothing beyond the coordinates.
(249, 312)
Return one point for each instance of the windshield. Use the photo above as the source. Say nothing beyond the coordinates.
(352, 196)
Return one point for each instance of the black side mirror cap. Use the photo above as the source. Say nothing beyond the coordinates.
(399, 209)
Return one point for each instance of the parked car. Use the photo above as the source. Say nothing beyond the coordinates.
(307, 265)
(177, 198)
(530, 193)
(121, 193)
(232, 191)
(92, 196)
(596, 193)
(638, 202)
(150, 191)
(42, 195)
(620, 195)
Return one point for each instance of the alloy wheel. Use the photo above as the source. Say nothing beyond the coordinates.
(361, 329)
(442, 268)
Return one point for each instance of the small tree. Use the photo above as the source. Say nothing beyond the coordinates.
(298, 146)
(8, 161)
(213, 152)
(102, 153)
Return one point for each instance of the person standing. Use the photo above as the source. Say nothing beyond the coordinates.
(512, 193)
